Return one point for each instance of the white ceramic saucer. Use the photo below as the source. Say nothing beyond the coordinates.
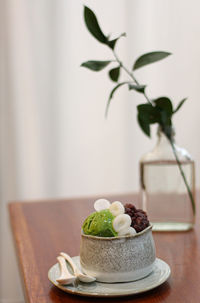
(159, 275)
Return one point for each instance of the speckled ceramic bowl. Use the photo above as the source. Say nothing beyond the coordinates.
(118, 259)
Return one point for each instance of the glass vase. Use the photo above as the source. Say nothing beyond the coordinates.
(164, 194)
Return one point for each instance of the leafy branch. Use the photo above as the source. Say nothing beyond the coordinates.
(158, 110)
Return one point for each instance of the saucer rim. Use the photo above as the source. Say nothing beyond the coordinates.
(165, 277)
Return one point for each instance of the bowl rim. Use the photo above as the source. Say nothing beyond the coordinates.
(117, 237)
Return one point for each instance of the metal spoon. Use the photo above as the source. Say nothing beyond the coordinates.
(65, 276)
(81, 276)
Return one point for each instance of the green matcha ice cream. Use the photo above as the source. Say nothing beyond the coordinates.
(99, 224)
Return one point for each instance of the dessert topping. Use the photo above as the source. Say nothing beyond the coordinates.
(101, 204)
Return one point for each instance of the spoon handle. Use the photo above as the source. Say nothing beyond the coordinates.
(64, 273)
(71, 262)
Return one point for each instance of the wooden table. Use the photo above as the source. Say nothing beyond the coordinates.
(42, 229)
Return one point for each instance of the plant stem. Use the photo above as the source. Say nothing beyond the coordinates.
(183, 175)
(131, 75)
(170, 140)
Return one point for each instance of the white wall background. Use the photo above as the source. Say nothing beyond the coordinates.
(54, 139)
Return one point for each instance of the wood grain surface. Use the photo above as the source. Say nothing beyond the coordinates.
(43, 229)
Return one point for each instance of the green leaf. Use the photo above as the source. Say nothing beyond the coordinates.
(147, 115)
(112, 43)
(164, 104)
(93, 25)
(137, 88)
(145, 126)
(114, 74)
(111, 96)
(164, 107)
(179, 105)
(148, 112)
(168, 131)
(149, 58)
(165, 119)
(95, 65)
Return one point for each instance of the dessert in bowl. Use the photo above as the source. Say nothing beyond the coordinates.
(117, 243)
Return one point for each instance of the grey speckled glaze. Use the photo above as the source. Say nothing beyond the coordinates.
(118, 259)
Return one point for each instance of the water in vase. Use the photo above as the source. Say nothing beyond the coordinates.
(164, 194)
